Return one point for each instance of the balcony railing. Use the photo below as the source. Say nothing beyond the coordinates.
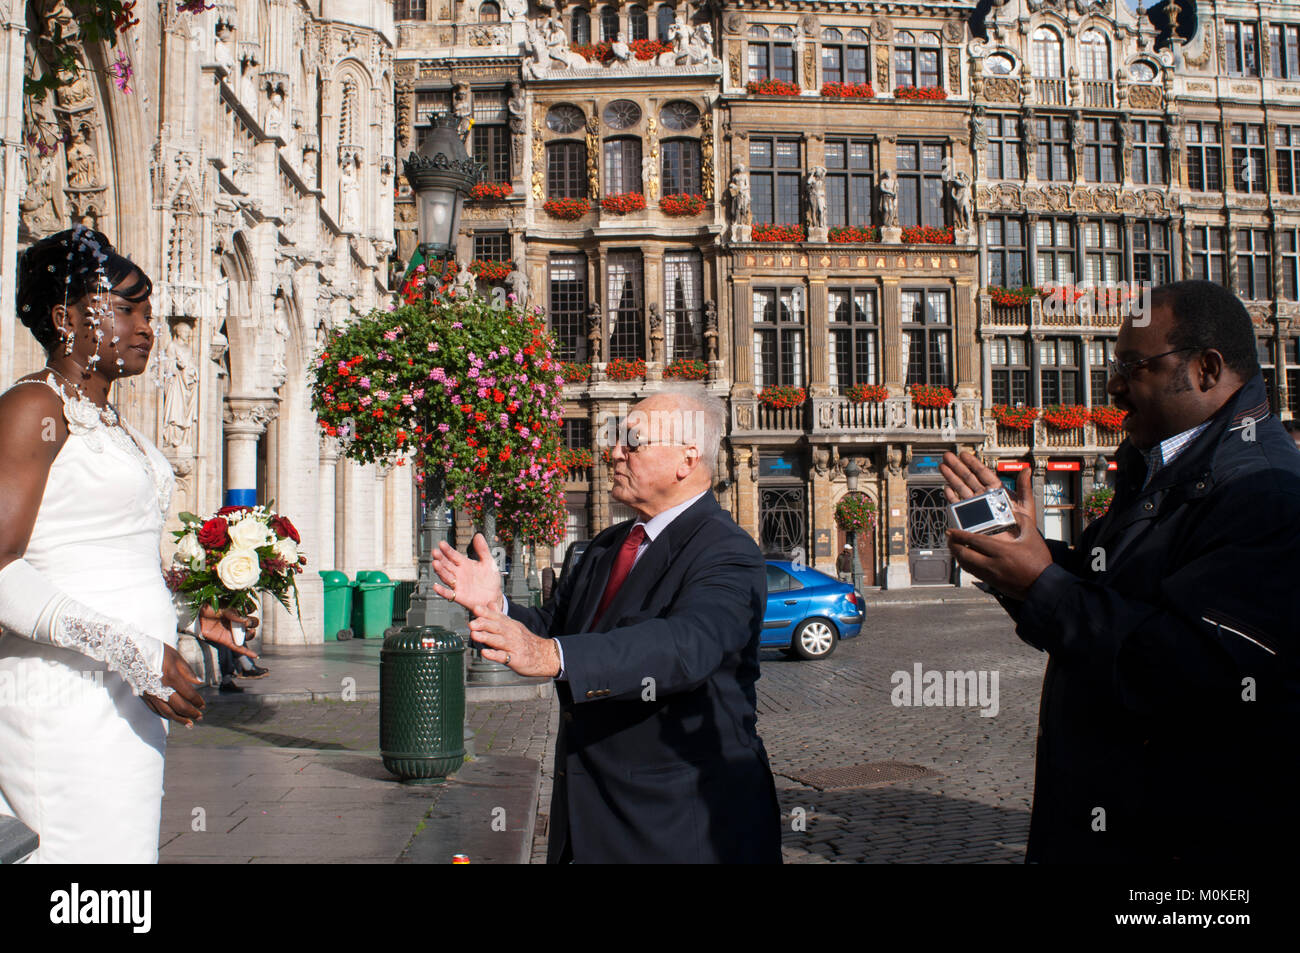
(1050, 92)
(1099, 95)
(839, 415)
(1013, 315)
(1088, 312)
(1041, 436)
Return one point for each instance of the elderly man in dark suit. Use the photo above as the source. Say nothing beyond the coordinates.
(653, 642)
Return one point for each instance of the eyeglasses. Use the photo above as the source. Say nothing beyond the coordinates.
(629, 447)
(1126, 368)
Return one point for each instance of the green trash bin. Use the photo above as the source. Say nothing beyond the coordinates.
(372, 611)
(338, 605)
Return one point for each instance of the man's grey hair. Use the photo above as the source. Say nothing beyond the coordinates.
(710, 419)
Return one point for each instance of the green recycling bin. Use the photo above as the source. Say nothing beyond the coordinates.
(422, 703)
(338, 605)
(372, 611)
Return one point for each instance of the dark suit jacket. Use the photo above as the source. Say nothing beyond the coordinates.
(657, 758)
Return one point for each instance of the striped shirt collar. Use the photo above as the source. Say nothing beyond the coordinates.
(1163, 453)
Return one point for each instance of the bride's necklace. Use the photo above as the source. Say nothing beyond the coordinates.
(108, 413)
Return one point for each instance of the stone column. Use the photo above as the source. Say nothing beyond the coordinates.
(964, 333)
(747, 489)
(327, 483)
(818, 340)
(823, 509)
(897, 573)
(245, 421)
(742, 370)
(891, 336)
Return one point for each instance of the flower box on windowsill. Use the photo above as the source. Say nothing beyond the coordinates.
(927, 235)
(682, 205)
(567, 209)
(778, 233)
(867, 393)
(920, 93)
(574, 372)
(686, 369)
(1108, 418)
(623, 202)
(646, 50)
(490, 270)
(621, 369)
(598, 52)
(854, 234)
(772, 87)
(1015, 418)
(1065, 418)
(491, 191)
(928, 395)
(848, 90)
(782, 396)
(1013, 297)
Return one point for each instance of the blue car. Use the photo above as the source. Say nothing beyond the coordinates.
(808, 611)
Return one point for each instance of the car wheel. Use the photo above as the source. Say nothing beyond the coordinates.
(814, 639)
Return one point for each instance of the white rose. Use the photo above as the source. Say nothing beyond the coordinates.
(287, 550)
(190, 548)
(249, 533)
(239, 569)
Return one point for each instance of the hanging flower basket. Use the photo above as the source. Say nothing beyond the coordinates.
(416, 286)
(686, 369)
(622, 203)
(777, 233)
(1012, 298)
(1097, 502)
(855, 513)
(573, 458)
(568, 209)
(1108, 417)
(783, 396)
(1061, 417)
(597, 52)
(920, 93)
(682, 204)
(928, 395)
(487, 191)
(849, 234)
(1015, 418)
(649, 49)
(621, 369)
(772, 87)
(574, 373)
(490, 270)
(927, 235)
(847, 90)
(867, 393)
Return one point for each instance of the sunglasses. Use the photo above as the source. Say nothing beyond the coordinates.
(1126, 368)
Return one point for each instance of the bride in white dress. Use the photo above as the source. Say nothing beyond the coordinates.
(89, 672)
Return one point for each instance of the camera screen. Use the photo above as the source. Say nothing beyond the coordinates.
(974, 512)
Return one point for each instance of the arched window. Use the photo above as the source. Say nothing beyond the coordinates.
(608, 23)
(638, 24)
(679, 115)
(664, 19)
(580, 27)
(1094, 57)
(489, 13)
(768, 60)
(832, 35)
(1048, 58)
(845, 62)
(916, 61)
(681, 167)
(566, 170)
(622, 165)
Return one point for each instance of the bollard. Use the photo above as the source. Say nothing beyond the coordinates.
(422, 704)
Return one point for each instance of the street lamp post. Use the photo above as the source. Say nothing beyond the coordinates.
(441, 175)
(851, 474)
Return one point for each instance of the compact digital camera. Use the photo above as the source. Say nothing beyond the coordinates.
(987, 513)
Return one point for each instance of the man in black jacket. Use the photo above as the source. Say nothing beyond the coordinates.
(653, 641)
(1169, 728)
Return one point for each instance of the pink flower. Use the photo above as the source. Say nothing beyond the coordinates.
(505, 420)
(364, 383)
(121, 71)
(482, 391)
(382, 394)
(443, 428)
(365, 401)
(390, 335)
(473, 372)
(433, 346)
(407, 400)
(419, 393)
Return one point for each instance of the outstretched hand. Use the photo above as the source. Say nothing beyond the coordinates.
(467, 582)
(215, 626)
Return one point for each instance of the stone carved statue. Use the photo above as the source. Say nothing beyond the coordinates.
(656, 334)
(349, 195)
(280, 327)
(816, 185)
(463, 107)
(888, 199)
(180, 388)
(516, 108)
(464, 282)
(274, 125)
(518, 282)
(224, 53)
(963, 206)
(83, 166)
(741, 204)
(595, 332)
(699, 47)
(711, 330)
(622, 52)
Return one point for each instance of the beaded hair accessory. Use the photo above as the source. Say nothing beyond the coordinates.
(83, 240)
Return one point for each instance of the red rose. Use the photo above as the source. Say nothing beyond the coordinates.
(213, 533)
(231, 509)
(284, 528)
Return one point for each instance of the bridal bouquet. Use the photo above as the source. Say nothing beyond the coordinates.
(227, 560)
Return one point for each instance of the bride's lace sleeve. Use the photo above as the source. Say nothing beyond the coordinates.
(34, 609)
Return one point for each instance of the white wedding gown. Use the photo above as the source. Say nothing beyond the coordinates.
(81, 757)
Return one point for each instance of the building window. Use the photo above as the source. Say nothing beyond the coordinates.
(679, 115)
(1048, 58)
(1004, 147)
(1007, 252)
(1286, 150)
(622, 114)
(580, 27)
(1055, 249)
(1204, 157)
(681, 166)
(916, 59)
(845, 62)
(1100, 150)
(855, 337)
(1053, 149)
(771, 58)
(566, 170)
(920, 184)
(408, 10)
(568, 310)
(1249, 174)
(608, 24)
(1009, 361)
(1267, 370)
(492, 246)
(577, 433)
(1059, 375)
(1151, 253)
(490, 144)
(683, 304)
(664, 20)
(778, 336)
(638, 24)
(625, 294)
(1284, 43)
(1100, 351)
(1094, 58)
(429, 103)
(1148, 152)
(849, 179)
(565, 118)
(1289, 249)
(1209, 259)
(1291, 351)
(1241, 44)
(1254, 264)
(1103, 252)
(489, 13)
(774, 177)
(927, 337)
(622, 166)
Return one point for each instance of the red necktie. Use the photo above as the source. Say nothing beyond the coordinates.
(622, 566)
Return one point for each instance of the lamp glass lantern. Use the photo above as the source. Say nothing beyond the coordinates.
(441, 175)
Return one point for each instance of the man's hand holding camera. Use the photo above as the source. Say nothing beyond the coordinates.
(1009, 561)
